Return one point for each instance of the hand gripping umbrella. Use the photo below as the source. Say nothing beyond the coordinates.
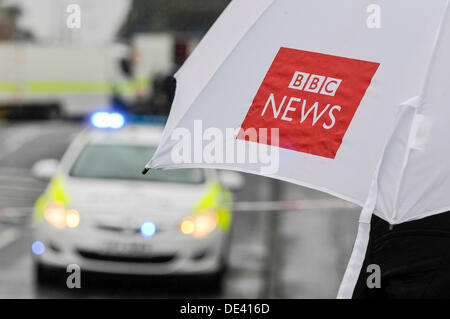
(331, 103)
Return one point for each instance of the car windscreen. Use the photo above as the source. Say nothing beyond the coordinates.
(125, 162)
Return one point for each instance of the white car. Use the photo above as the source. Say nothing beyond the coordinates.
(100, 213)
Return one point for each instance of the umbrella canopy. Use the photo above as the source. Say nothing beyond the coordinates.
(340, 107)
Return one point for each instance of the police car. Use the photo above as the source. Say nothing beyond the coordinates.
(100, 213)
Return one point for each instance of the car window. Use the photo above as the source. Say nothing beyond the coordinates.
(124, 162)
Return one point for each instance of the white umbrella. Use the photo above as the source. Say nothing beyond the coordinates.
(357, 112)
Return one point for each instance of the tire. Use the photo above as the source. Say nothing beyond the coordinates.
(214, 281)
(44, 275)
(53, 112)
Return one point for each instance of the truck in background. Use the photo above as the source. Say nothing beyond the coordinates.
(55, 80)
(152, 55)
(156, 58)
(38, 80)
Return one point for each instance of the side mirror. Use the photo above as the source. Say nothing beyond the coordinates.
(234, 181)
(126, 66)
(45, 169)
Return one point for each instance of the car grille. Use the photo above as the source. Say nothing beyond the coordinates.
(118, 229)
(131, 259)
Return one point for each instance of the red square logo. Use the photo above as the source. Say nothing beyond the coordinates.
(311, 98)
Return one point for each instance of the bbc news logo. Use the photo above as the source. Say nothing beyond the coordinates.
(311, 98)
(315, 83)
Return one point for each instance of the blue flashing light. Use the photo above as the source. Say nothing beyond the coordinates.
(38, 248)
(148, 229)
(108, 120)
(116, 120)
(147, 119)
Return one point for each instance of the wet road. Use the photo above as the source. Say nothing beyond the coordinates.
(299, 254)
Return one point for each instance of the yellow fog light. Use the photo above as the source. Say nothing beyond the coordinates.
(55, 214)
(187, 226)
(200, 225)
(205, 223)
(72, 218)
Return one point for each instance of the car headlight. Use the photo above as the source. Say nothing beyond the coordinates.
(199, 225)
(59, 217)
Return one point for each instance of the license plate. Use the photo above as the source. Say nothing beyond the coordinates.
(126, 249)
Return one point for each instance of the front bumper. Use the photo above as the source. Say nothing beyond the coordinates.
(166, 253)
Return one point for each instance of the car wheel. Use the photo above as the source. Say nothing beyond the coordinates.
(214, 281)
(54, 112)
(44, 275)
